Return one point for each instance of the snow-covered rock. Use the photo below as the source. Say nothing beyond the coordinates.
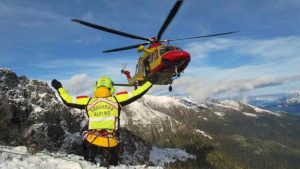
(203, 133)
(250, 114)
(162, 156)
(18, 158)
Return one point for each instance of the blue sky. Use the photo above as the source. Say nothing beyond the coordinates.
(39, 40)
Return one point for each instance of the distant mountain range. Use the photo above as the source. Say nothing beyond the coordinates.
(220, 134)
(287, 102)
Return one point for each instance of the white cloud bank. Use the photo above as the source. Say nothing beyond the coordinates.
(202, 90)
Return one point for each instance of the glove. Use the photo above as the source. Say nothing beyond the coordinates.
(56, 84)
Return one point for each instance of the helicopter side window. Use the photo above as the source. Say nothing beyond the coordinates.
(151, 58)
(155, 55)
(137, 69)
(141, 68)
(169, 48)
(178, 48)
(162, 50)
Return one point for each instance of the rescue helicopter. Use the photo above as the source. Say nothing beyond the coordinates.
(161, 62)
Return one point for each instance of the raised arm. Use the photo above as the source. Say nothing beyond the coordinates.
(75, 102)
(125, 99)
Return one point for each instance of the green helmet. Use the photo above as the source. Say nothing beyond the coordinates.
(107, 82)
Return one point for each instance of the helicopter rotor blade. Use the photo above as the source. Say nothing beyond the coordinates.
(110, 30)
(205, 36)
(125, 48)
(169, 18)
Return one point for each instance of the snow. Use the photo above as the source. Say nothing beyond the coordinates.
(165, 101)
(250, 114)
(18, 158)
(36, 108)
(259, 110)
(161, 156)
(78, 112)
(9, 161)
(42, 95)
(229, 104)
(142, 114)
(294, 99)
(220, 114)
(267, 98)
(236, 106)
(35, 127)
(192, 104)
(19, 149)
(203, 133)
(5, 70)
(69, 140)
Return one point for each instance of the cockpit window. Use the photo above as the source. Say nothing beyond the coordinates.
(167, 48)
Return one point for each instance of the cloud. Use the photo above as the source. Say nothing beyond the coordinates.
(199, 89)
(203, 49)
(272, 48)
(276, 48)
(83, 85)
(26, 12)
(202, 90)
(80, 84)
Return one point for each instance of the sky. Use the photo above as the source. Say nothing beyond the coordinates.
(39, 40)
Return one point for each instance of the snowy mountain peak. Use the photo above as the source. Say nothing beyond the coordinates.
(5, 70)
(235, 105)
(295, 98)
(162, 101)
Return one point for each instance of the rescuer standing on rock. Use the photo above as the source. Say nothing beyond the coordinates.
(103, 112)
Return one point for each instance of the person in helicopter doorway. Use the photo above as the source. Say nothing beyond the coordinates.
(103, 112)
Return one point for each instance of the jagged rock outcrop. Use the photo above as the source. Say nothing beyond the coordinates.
(32, 115)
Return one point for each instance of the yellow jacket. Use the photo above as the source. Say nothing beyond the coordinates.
(106, 114)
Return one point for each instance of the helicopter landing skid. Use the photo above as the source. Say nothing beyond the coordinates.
(170, 86)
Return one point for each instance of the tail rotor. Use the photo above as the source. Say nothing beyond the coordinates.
(124, 65)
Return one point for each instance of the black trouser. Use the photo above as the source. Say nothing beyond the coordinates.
(108, 156)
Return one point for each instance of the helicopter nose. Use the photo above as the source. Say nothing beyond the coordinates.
(177, 57)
